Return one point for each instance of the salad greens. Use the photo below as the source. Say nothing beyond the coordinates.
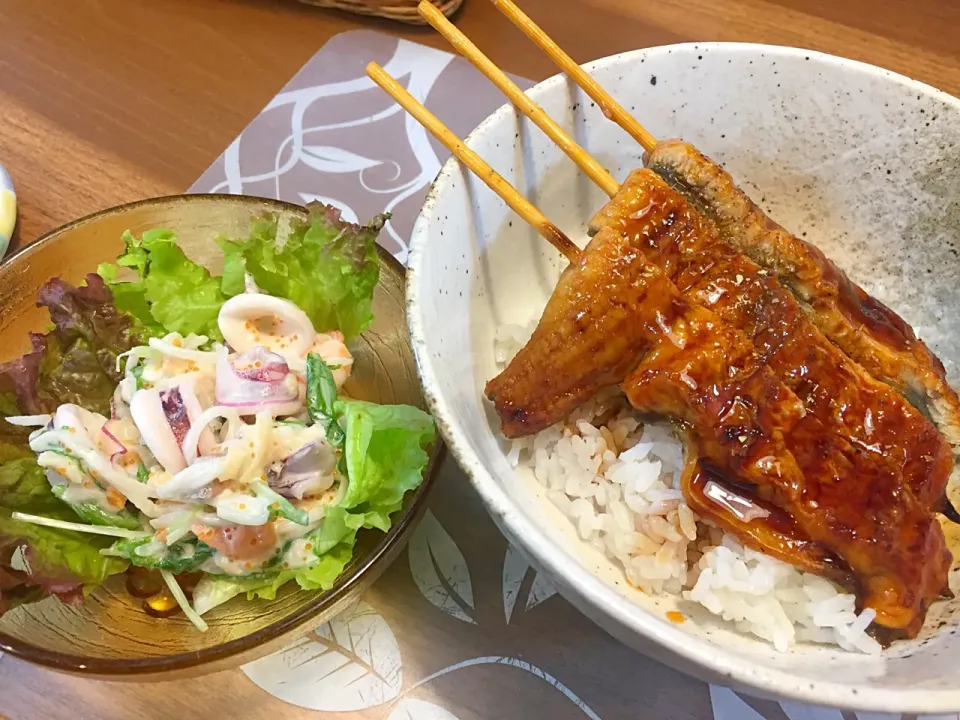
(171, 293)
(385, 454)
(329, 269)
(74, 362)
(280, 506)
(322, 398)
(37, 561)
(93, 514)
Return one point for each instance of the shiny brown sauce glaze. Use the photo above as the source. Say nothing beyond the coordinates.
(588, 337)
(864, 310)
(748, 424)
(614, 304)
(769, 530)
(863, 327)
(820, 276)
(883, 427)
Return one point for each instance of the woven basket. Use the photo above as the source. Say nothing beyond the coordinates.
(401, 10)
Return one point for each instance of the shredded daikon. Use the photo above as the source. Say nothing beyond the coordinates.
(182, 601)
(80, 527)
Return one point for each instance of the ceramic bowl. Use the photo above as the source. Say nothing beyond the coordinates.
(109, 635)
(859, 160)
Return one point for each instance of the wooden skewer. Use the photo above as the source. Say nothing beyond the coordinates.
(493, 180)
(610, 107)
(463, 45)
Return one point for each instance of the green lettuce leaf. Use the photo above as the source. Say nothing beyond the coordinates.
(93, 514)
(213, 590)
(328, 267)
(60, 562)
(386, 455)
(171, 292)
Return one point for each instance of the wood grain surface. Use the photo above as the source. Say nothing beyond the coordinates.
(106, 101)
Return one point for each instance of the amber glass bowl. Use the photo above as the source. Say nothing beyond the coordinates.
(109, 635)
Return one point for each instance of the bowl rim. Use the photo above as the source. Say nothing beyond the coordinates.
(135, 667)
(602, 598)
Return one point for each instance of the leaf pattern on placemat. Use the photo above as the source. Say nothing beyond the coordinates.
(440, 570)
(728, 705)
(313, 149)
(519, 579)
(799, 711)
(519, 664)
(351, 663)
(768, 709)
(413, 709)
(328, 159)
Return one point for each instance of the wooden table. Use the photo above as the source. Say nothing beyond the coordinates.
(106, 101)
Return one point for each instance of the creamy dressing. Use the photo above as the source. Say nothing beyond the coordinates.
(98, 467)
(194, 467)
(253, 319)
(299, 554)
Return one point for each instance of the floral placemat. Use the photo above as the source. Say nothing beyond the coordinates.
(462, 627)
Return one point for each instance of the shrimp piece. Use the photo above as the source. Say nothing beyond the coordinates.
(331, 348)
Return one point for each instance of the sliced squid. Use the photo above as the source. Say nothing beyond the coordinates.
(146, 407)
(256, 381)
(253, 319)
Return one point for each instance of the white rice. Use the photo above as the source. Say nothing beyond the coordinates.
(618, 483)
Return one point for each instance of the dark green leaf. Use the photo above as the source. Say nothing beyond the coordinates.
(93, 514)
(185, 556)
(322, 398)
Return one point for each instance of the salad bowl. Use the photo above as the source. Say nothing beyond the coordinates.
(108, 634)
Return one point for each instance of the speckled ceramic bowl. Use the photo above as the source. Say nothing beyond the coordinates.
(860, 160)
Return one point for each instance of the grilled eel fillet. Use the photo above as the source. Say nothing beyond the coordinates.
(593, 315)
(614, 309)
(867, 413)
(863, 327)
(758, 524)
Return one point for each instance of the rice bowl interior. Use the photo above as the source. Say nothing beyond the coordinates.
(849, 160)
